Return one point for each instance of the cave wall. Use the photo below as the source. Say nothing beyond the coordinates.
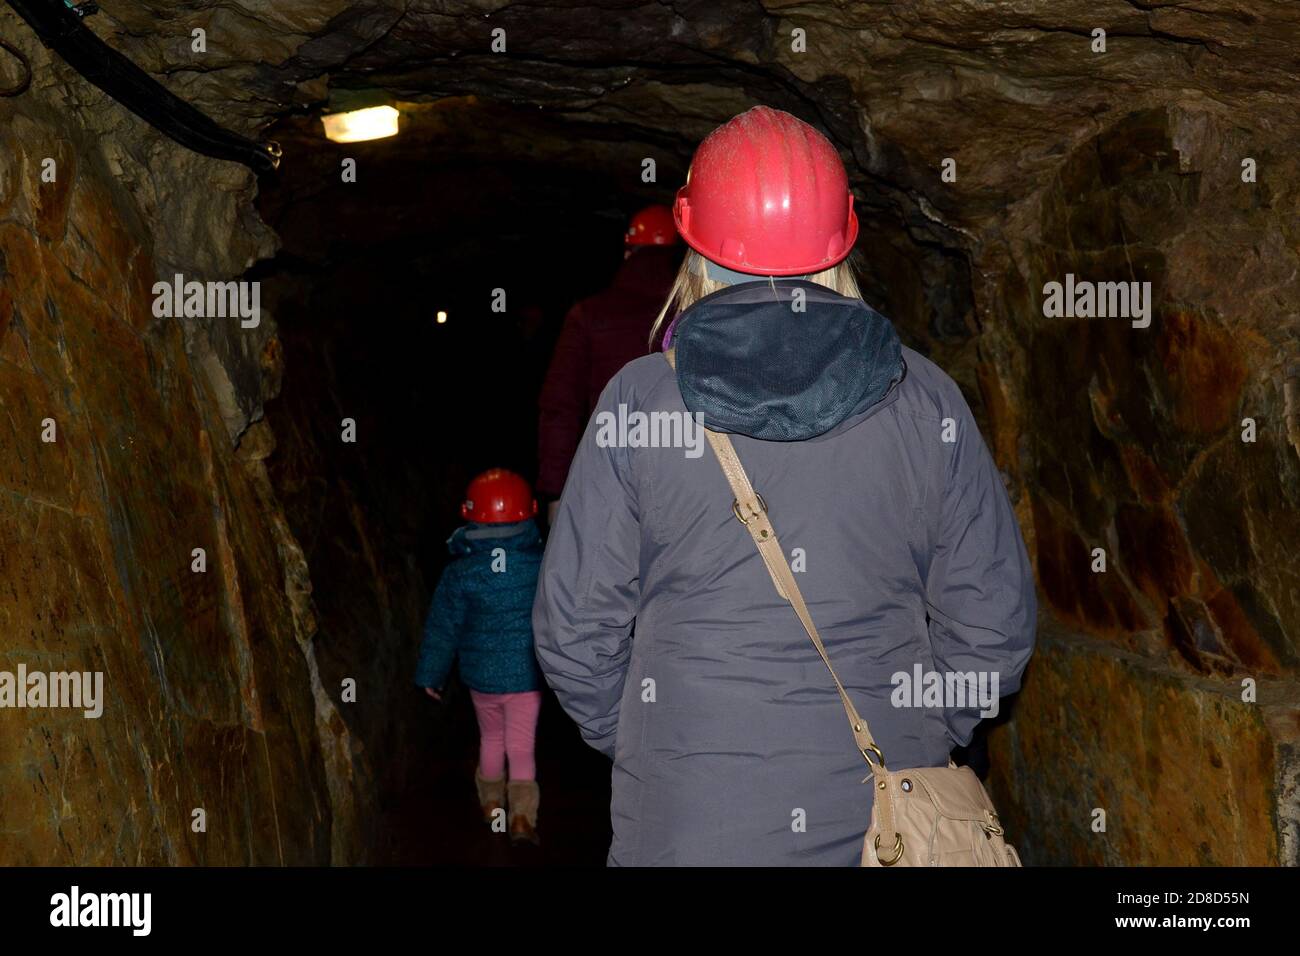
(358, 510)
(211, 697)
(1167, 684)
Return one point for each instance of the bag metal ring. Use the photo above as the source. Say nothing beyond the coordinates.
(735, 509)
(898, 850)
(870, 749)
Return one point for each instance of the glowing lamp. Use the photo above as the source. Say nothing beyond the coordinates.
(357, 126)
(442, 317)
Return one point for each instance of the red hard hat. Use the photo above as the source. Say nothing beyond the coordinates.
(652, 226)
(767, 194)
(498, 497)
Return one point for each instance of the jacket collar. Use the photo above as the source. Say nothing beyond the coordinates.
(483, 537)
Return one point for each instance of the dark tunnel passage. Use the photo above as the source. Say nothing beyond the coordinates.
(502, 240)
(500, 218)
(243, 525)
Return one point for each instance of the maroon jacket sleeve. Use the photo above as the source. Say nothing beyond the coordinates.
(563, 404)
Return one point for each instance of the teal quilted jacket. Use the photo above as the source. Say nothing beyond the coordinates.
(481, 611)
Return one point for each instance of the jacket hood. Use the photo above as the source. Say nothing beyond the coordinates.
(752, 363)
(473, 537)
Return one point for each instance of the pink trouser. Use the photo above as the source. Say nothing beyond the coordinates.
(507, 724)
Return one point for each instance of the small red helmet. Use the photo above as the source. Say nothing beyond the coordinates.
(652, 226)
(766, 194)
(498, 497)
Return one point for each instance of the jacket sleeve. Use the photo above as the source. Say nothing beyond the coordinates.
(563, 404)
(980, 587)
(442, 629)
(589, 588)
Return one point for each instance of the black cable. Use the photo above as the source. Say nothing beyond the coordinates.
(60, 28)
(26, 81)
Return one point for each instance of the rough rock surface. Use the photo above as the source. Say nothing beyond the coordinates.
(1113, 166)
(208, 680)
(212, 699)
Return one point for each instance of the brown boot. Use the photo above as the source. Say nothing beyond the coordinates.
(491, 796)
(524, 799)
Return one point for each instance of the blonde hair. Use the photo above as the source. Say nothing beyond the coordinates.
(692, 284)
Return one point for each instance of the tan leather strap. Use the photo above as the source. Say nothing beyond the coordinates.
(751, 510)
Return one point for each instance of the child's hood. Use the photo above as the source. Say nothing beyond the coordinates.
(474, 538)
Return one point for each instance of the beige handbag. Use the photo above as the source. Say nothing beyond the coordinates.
(926, 816)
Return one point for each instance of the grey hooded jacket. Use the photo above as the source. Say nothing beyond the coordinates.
(658, 627)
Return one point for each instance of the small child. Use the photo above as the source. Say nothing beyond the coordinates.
(481, 612)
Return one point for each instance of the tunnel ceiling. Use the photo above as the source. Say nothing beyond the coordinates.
(1007, 89)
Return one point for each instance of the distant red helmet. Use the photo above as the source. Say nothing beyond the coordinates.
(652, 226)
(767, 194)
(498, 497)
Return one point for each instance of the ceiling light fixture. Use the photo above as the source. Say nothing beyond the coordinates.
(356, 126)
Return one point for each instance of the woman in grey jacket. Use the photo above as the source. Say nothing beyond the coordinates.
(728, 737)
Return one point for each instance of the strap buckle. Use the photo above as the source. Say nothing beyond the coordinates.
(735, 509)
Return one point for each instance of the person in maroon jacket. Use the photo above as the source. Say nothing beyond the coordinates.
(601, 334)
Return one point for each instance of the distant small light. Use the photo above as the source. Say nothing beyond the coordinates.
(442, 317)
(375, 122)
